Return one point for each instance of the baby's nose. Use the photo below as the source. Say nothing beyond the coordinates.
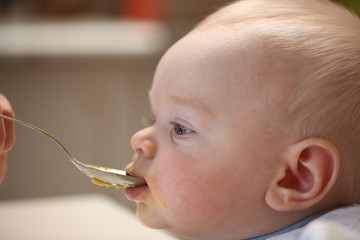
(143, 143)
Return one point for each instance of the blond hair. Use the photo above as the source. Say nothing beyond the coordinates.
(325, 38)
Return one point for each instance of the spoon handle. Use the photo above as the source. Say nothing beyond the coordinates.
(41, 131)
(99, 175)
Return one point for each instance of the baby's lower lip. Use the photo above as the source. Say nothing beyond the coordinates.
(134, 193)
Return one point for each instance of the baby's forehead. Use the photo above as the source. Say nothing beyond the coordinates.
(235, 59)
(243, 50)
(216, 46)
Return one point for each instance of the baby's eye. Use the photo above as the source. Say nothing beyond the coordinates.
(180, 130)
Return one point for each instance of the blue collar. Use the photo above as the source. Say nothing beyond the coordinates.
(292, 227)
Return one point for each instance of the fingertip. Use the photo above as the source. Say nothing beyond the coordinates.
(5, 104)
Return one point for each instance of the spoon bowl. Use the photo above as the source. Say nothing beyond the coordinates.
(100, 175)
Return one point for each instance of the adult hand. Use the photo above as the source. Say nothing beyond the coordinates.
(7, 134)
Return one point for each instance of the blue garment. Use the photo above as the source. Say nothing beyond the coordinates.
(334, 224)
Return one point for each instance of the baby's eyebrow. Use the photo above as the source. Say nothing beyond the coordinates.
(192, 103)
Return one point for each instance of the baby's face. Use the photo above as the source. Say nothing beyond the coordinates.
(209, 155)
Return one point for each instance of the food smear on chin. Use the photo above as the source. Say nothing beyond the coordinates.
(158, 198)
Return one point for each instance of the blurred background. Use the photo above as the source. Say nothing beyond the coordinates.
(80, 69)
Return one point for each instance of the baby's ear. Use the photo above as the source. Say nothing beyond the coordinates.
(309, 171)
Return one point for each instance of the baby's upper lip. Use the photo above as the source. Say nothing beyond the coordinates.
(131, 172)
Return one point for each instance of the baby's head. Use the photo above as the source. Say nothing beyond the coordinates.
(256, 116)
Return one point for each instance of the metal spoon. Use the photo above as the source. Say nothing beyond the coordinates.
(100, 175)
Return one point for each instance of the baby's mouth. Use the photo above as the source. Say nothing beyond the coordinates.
(134, 175)
(136, 193)
(129, 169)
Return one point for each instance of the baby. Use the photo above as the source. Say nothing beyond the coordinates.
(256, 126)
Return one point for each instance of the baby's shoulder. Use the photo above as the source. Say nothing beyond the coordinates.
(341, 223)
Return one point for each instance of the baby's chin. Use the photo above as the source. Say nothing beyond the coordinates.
(154, 221)
(149, 217)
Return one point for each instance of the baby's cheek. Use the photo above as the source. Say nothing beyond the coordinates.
(184, 191)
(194, 211)
(188, 202)
(173, 183)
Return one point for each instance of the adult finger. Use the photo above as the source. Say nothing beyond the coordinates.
(3, 166)
(7, 127)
